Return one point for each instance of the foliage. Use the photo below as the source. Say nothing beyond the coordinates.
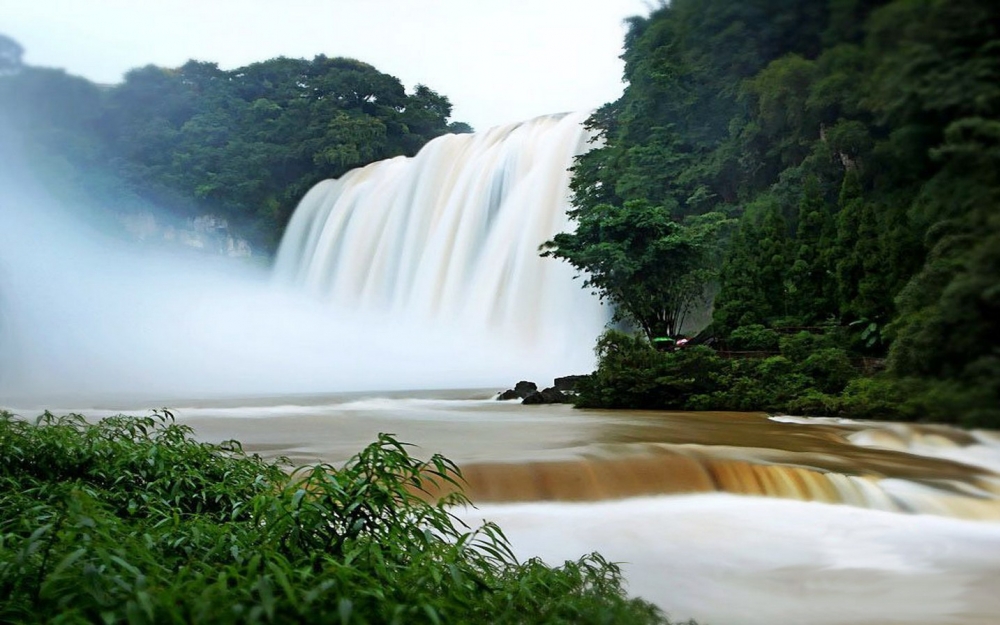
(753, 337)
(243, 144)
(800, 345)
(855, 143)
(631, 373)
(10, 55)
(652, 267)
(132, 520)
(810, 376)
(830, 368)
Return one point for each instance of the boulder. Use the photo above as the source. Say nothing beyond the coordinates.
(569, 382)
(521, 390)
(524, 388)
(546, 396)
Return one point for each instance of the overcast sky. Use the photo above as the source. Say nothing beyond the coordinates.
(497, 60)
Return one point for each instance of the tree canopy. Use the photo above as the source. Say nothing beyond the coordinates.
(855, 143)
(244, 144)
(10, 55)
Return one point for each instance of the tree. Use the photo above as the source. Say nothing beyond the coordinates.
(810, 273)
(53, 117)
(654, 269)
(247, 144)
(741, 301)
(10, 56)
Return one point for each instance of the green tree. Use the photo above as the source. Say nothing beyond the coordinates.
(653, 268)
(741, 301)
(51, 120)
(244, 144)
(10, 56)
(809, 277)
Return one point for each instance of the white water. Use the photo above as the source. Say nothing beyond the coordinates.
(720, 558)
(418, 273)
(452, 236)
(725, 559)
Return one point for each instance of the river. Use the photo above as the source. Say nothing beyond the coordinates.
(721, 517)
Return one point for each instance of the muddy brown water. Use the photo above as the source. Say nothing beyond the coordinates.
(513, 453)
(721, 517)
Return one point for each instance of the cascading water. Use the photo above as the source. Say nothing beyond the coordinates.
(429, 267)
(451, 236)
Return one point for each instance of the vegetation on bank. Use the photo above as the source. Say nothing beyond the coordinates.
(242, 144)
(130, 520)
(801, 373)
(842, 157)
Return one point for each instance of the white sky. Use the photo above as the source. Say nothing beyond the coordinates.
(497, 61)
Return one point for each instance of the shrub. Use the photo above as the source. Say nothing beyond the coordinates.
(633, 374)
(797, 347)
(132, 520)
(807, 379)
(760, 384)
(626, 374)
(949, 401)
(813, 403)
(831, 369)
(872, 398)
(754, 338)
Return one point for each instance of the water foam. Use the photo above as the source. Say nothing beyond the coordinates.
(727, 559)
(408, 274)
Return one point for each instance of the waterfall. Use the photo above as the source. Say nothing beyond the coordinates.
(451, 237)
(426, 270)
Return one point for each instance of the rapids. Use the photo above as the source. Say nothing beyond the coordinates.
(513, 453)
(724, 517)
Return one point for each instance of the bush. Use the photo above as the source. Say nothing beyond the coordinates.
(797, 347)
(132, 520)
(814, 403)
(949, 401)
(631, 373)
(830, 368)
(807, 379)
(755, 338)
(759, 384)
(626, 374)
(873, 398)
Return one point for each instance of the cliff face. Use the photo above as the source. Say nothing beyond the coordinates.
(208, 233)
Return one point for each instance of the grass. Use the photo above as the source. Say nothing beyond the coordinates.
(131, 520)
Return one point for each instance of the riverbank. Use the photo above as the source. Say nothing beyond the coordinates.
(721, 517)
(132, 519)
(808, 375)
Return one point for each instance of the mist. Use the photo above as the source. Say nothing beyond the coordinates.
(87, 316)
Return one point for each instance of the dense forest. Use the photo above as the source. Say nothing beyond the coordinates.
(243, 145)
(829, 172)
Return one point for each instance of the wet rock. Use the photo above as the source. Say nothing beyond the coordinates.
(525, 388)
(547, 396)
(521, 390)
(569, 382)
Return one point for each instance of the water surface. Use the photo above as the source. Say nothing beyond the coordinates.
(723, 517)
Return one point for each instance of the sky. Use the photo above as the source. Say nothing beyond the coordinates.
(498, 61)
